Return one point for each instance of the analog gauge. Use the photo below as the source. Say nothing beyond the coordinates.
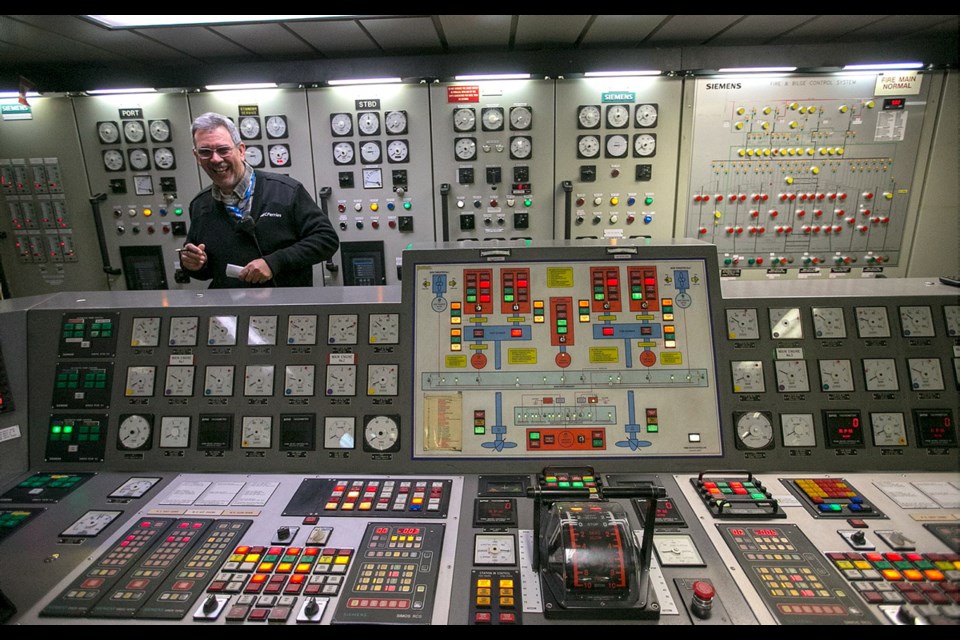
(341, 124)
(520, 118)
(792, 376)
(588, 146)
(880, 374)
(143, 185)
(341, 380)
(133, 131)
(465, 119)
(339, 432)
(742, 324)
(135, 432)
(925, 374)
(140, 382)
(616, 146)
(146, 332)
(754, 430)
(343, 153)
(382, 379)
(108, 132)
(747, 376)
(797, 430)
(276, 126)
(646, 115)
(836, 375)
(298, 380)
(384, 328)
(645, 145)
(279, 155)
(951, 315)
(398, 151)
(464, 148)
(183, 331)
(588, 117)
(395, 122)
(785, 324)
(165, 160)
(370, 152)
(372, 178)
(179, 381)
(174, 432)
(889, 429)
(828, 322)
(618, 115)
(222, 331)
(368, 122)
(258, 380)
(139, 159)
(917, 322)
(520, 147)
(255, 432)
(302, 329)
(492, 118)
(249, 127)
(113, 160)
(381, 433)
(262, 330)
(159, 130)
(872, 322)
(342, 329)
(218, 380)
(254, 155)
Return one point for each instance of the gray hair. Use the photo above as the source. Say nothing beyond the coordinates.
(210, 121)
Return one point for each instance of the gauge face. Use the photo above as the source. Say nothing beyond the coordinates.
(828, 322)
(302, 329)
(792, 376)
(159, 130)
(395, 122)
(146, 332)
(134, 432)
(108, 132)
(218, 380)
(370, 152)
(618, 115)
(140, 382)
(797, 430)
(588, 117)
(339, 432)
(520, 147)
(754, 430)
(254, 155)
(139, 160)
(298, 380)
(747, 376)
(381, 433)
(343, 153)
(342, 329)
(113, 160)
(521, 118)
(372, 178)
(880, 374)
(368, 122)
(143, 185)
(222, 331)
(262, 330)
(785, 324)
(398, 151)
(646, 115)
(382, 379)
(616, 146)
(925, 374)
(279, 155)
(276, 126)
(889, 429)
(179, 381)
(183, 331)
(836, 375)
(588, 146)
(917, 322)
(341, 380)
(492, 118)
(645, 145)
(341, 124)
(384, 328)
(174, 432)
(258, 380)
(249, 127)
(465, 119)
(164, 158)
(951, 315)
(464, 148)
(133, 131)
(872, 322)
(742, 324)
(255, 432)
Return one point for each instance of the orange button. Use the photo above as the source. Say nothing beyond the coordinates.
(892, 575)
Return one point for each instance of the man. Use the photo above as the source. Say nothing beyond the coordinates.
(250, 228)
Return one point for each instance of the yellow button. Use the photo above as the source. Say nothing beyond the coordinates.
(483, 602)
(483, 592)
(506, 583)
(892, 575)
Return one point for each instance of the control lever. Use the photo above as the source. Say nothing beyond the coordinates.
(101, 236)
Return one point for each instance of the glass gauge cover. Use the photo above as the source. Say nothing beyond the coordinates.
(754, 430)
(889, 429)
(222, 331)
(143, 185)
(139, 159)
(343, 153)
(880, 374)
(465, 119)
(133, 131)
(279, 155)
(492, 118)
(113, 160)
(791, 376)
(917, 322)
(342, 329)
(179, 381)
(646, 115)
(249, 127)
(276, 126)
(146, 332)
(618, 116)
(925, 374)
(836, 375)
(747, 376)
(339, 432)
(828, 322)
(139, 382)
(381, 433)
(588, 117)
(645, 145)
(298, 379)
(255, 432)
(164, 159)
(785, 324)
(520, 118)
(254, 155)
(465, 148)
(368, 122)
(302, 329)
(372, 178)
(262, 330)
(370, 152)
(183, 331)
(872, 322)
(951, 315)
(395, 122)
(341, 124)
(384, 328)
(218, 380)
(174, 432)
(108, 132)
(520, 147)
(616, 146)
(398, 151)
(159, 130)
(742, 324)
(134, 432)
(797, 430)
(588, 146)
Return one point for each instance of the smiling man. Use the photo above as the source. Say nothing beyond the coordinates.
(250, 228)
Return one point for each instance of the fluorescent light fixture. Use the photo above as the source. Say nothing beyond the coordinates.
(248, 85)
(114, 92)
(350, 81)
(610, 74)
(495, 76)
(4, 95)
(757, 69)
(134, 21)
(883, 66)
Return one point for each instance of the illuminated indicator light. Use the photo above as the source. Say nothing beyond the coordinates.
(667, 316)
(538, 304)
(56, 429)
(455, 347)
(666, 302)
(653, 428)
(508, 298)
(516, 333)
(485, 297)
(608, 331)
(178, 211)
(456, 332)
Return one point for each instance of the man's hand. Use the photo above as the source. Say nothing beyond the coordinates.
(193, 257)
(256, 272)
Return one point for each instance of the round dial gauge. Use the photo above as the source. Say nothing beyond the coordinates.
(925, 374)
(174, 432)
(828, 322)
(164, 158)
(134, 432)
(381, 433)
(464, 119)
(384, 328)
(343, 153)
(397, 150)
(588, 117)
(113, 160)
(133, 131)
(159, 130)
(492, 118)
(646, 115)
(792, 376)
(179, 381)
(797, 430)
(218, 380)
(880, 374)
(618, 115)
(836, 375)
(342, 329)
(645, 145)
(588, 146)
(338, 432)
(108, 132)
(276, 126)
(146, 332)
(464, 148)
(139, 382)
(785, 324)
(302, 329)
(279, 155)
(916, 322)
(298, 379)
(395, 122)
(888, 429)
(368, 123)
(341, 124)
(183, 331)
(341, 380)
(754, 430)
(742, 324)
(747, 376)
(616, 146)
(255, 432)
(262, 330)
(872, 322)
(249, 127)
(520, 147)
(139, 160)
(254, 155)
(521, 118)
(370, 152)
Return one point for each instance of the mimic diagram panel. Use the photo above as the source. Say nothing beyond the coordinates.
(540, 359)
(803, 173)
(617, 143)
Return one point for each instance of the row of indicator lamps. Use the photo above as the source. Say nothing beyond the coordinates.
(797, 151)
(375, 206)
(614, 200)
(783, 197)
(494, 202)
(147, 212)
(807, 260)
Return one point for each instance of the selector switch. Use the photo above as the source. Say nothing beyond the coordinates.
(465, 175)
(521, 220)
(467, 222)
(494, 175)
(588, 173)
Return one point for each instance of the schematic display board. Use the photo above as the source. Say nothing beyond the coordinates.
(802, 172)
(609, 359)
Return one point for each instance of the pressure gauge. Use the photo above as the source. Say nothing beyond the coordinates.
(463, 148)
(339, 432)
(164, 159)
(298, 380)
(341, 380)
(179, 381)
(370, 152)
(174, 432)
(113, 160)
(368, 122)
(828, 322)
(616, 146)
(302, 329)
(381, 433)
(618, 115)
(465, 119)
(139, 160)
(135, 432)
(108, 132)
(222, 331)
(491, 118)
(372, 178)
(785, 324)
(588, 117)
(183, 331)
(279, 155)
(925, 374)
(888, 429)
(872, 322)
(645, 145)
(797, 430)
(398, 151)
(262, 330)
(880, 374)
(917, 322)
(646, 115)
(836, 375)
(146, 332)
(254, 155)
(754, 430)
(249, 127)
(218, 380)
(382, 379)
(588, 146)
(343, 153)
(143, 185)
(520, 147)
(133, 131)
(276, 126)
(792, 376)
(742, 324)
(384, 328)
(258, 380)
(341, 124)
(159, 130)
(255, 432)
(342, 329)
(395, 122)
(747, 376)
(139, 382)
(520, 118)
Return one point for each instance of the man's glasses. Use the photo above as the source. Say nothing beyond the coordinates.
(206, 153)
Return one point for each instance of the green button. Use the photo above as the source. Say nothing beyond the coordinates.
(636, 296)
(68, 429)
(561, 323)
(577, 485)
(535, 435)
(563, 484)
(479, 431)
(508, 298)
(653, 428)
(882, 564)
(758, 496)
(56, 429)
(598, 296)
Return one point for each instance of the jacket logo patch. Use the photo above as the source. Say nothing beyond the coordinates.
(271, 214)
